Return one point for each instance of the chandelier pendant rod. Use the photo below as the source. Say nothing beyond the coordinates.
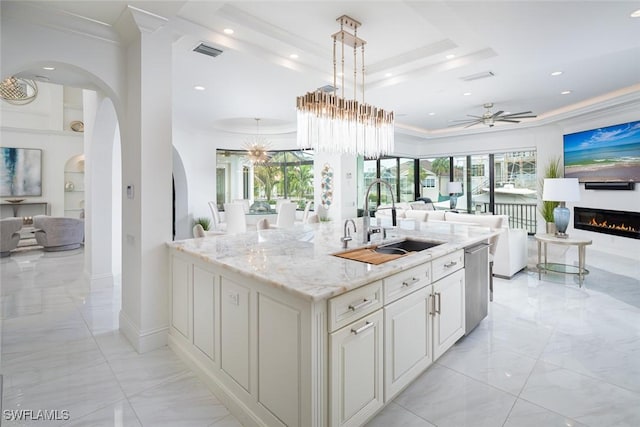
(335, 83)
(355, 64)
(342, 53)
(362, 48)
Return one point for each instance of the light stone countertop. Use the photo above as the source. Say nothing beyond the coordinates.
(299, 259)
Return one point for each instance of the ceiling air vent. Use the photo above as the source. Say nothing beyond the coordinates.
(207, 50)
(477, 76)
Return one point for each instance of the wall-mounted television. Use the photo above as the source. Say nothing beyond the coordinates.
(608, 154)
(20, 172)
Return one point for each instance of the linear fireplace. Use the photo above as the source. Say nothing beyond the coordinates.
(618, 223)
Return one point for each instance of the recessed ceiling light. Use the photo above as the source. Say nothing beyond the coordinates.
(636, 14)
(565, 92)
(228, 31)
(556, 73)
(388, 75)
(198, 88)
(293, 56)
(450, 56)
(49, 68)
(432, 114)
(466, 93)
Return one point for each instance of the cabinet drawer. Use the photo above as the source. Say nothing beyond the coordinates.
(354, 304)
(447, 264)
(404, 283)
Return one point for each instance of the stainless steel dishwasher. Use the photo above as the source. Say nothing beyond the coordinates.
(476, 291)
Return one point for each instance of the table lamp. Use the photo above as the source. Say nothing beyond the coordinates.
(454, 188)
(561, 190)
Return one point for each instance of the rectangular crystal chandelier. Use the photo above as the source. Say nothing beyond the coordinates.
(332, 124)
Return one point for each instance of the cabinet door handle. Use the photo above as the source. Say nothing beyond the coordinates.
(363, 328)
(439, 296)
(354, 307)
(432, 305)
(410, 282)
(450, 264)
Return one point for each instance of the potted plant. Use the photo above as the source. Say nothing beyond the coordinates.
(203, 221)
(552, 170)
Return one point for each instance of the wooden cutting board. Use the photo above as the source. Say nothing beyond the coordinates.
(369, 256)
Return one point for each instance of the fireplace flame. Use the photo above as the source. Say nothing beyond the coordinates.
(605, 224)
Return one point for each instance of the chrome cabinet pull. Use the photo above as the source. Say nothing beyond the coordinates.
(410, 282)
(365, 302)
(432, 305)
(439, 295)
(450, 264)
(363, 328)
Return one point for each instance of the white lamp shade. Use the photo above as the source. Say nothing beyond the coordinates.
(454, 187)
(561, 190)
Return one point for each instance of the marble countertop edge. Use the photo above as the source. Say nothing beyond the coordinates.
(300, 260)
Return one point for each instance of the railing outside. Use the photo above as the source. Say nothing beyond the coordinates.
(521, 215)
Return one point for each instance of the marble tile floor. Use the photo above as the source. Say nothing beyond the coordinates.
(548, 354)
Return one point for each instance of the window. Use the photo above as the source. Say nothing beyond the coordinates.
(287, 175)
(434, 176)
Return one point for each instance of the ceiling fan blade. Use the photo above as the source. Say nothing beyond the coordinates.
(495, 115)
(473, 124)
(502, 119)
(519, 114)
(465, 120)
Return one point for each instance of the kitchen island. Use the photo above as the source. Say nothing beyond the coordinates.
(287, 334)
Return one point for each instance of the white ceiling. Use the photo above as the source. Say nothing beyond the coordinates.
(595, 43)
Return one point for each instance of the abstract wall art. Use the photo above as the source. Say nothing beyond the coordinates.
(20, 172)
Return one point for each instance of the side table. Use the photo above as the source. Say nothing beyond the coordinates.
(580, 270)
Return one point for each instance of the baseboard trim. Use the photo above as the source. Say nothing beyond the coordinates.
(237, 408)
(143, 341)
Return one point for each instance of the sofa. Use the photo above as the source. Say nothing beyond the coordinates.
(58, 233)
(510, 252)
(9, 235)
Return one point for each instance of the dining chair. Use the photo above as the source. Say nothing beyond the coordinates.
(305, 213)
(218, 224)
(236, 221)
(280, 202)
(286, 215)
(244, 202)
(313, 219)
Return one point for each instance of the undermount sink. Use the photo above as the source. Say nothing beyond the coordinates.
(388, 252)
(405, 246)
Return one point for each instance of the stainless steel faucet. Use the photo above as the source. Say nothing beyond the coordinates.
(367, 229)
(347, 235)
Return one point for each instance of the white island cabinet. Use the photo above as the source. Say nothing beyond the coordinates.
(281, 346)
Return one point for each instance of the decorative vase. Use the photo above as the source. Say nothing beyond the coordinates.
(561, 216)
(69, 186)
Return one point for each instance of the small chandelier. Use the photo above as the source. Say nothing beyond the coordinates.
(257, 147)
(18, 91)
(330, 123)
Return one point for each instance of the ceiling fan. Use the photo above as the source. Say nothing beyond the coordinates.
(489, 118)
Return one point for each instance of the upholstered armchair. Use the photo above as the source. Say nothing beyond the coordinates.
(58, 233)
(9, 235)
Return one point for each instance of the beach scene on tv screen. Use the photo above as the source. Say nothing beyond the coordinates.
(607, 154)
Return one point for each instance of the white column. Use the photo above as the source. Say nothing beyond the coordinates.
(100, 123)
(146, 180)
